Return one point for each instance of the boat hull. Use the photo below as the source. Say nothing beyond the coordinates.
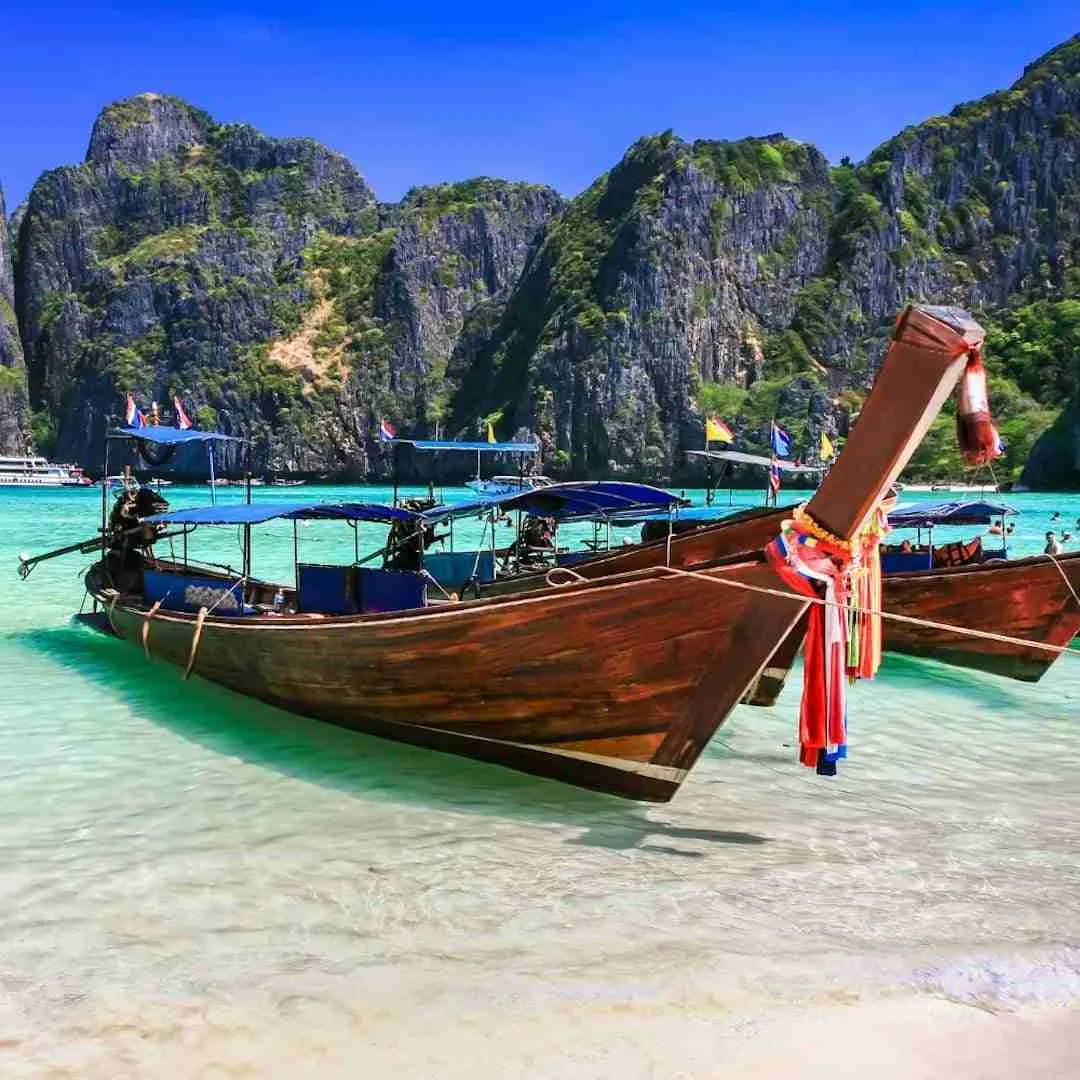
(615, 685)
(1018, 598)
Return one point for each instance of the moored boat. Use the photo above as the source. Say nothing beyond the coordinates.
(616, 684)
(507, 485)
(1026, 600)
(31, 471)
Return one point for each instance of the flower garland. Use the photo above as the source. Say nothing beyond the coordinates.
(843, 638)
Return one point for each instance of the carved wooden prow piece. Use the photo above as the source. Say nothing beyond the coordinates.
(926, 357)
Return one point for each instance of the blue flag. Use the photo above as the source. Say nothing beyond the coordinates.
(781, 441)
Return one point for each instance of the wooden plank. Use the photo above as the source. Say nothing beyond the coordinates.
(920, 371)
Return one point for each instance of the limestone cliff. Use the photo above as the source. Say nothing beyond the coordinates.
(258, 278)
(14, 413)
(665, 275)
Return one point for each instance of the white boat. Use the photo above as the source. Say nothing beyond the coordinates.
(38, 472)
(978, 488)
(117, 482)
(507, 485)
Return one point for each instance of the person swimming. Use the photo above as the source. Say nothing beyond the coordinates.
(1052, 545)
(1056, 515)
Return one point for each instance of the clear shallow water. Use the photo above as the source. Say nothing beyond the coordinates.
(198, 885)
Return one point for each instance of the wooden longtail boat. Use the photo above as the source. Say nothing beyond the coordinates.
(1029, 599)
(616, 684)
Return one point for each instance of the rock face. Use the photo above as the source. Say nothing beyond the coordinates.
(166, 261)
(14, 413)
(665, 274)
(261, 280)
(258, 279)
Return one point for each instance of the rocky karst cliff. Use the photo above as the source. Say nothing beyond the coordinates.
(261, 280)
(14, 413)
(755, 266)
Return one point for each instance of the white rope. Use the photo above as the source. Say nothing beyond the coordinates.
(572, 576)
(909, 620)
(109, 612)
(1064, 576)
(195, 639)
(146, 626)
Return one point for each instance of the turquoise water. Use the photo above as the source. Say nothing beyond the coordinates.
(197, 885)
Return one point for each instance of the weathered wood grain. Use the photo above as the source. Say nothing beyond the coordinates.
(616, 685)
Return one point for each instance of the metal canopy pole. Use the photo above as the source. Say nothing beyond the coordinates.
(247, 528)
(296, 557)
(104, 494)
(213, 485)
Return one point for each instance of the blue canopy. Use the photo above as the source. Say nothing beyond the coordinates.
(171, 436)
(579, 500)
(473, 447)
(256, 513)
(924, 516)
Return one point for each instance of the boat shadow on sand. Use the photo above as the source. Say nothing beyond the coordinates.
(360, 765)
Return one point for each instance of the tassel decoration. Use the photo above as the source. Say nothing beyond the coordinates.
(843, 639)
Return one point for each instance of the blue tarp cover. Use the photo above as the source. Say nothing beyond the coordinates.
(171, 436)
(256, 513)
(473, 447)
(948, 513)
(581, 500)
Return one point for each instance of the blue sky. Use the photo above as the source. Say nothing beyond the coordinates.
(552, 92)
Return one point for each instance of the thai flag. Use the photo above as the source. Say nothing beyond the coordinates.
(130, 412)
(386, 432)
(781, 441)
(183, 421)
(774, 477)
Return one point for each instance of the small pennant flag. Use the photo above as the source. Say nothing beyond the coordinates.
(717, 431)
(781, 441)
(491, 433)
(183, 421)
(827, 448)
(130, 412)
(774, 477)
(386, 431)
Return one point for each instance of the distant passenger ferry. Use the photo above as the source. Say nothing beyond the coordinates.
(37, 472)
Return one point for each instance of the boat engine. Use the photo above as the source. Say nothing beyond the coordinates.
(131, 539)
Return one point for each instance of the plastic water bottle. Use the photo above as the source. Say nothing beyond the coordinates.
(279, 600)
